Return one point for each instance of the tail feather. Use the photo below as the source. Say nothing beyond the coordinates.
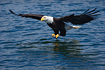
(67, 27)
(76, 27)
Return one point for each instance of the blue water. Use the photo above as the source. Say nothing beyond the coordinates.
(27, 44)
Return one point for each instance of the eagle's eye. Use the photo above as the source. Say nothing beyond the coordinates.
(44, 17)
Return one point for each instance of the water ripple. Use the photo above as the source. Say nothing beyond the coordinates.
(27, 43)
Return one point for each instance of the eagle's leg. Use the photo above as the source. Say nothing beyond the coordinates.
(53, 35)
(57, 36)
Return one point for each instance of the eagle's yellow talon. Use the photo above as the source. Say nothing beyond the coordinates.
(53, 35)
(57, 36)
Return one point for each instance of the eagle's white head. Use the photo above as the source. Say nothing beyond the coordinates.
(47, 19)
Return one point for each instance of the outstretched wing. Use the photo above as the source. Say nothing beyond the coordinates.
(35, 16)
(85, 17)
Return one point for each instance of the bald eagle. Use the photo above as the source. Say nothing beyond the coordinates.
(59, 24)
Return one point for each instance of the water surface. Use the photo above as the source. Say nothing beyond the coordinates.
(26, 44)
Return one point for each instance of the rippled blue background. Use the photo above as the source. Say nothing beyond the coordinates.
(26, 44)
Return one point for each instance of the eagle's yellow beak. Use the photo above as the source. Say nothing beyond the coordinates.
(42, 18)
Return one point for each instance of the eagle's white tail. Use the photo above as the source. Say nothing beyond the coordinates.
(67, 27)
(76, 27)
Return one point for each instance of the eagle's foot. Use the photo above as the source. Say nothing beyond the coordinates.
(57, 36)
(53, 35)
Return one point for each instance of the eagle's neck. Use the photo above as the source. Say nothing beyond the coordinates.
(49, 20)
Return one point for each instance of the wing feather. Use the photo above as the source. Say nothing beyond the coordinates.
(35, 16)
(85, 17)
